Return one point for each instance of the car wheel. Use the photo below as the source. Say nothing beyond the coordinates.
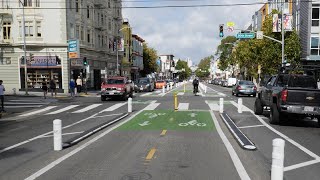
(258, 108)
(103, 98)
(275, 115)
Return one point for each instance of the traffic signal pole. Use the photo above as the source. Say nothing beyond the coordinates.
(282, 31)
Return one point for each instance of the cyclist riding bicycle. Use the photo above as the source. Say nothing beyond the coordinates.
(195, 85)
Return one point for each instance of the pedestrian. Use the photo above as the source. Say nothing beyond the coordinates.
(79, 84)
(53, 87)
(44, 88)
(2, 89)
(72, 87)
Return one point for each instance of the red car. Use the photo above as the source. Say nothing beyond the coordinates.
(116, 87)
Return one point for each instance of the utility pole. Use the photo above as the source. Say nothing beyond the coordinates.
(25, 50)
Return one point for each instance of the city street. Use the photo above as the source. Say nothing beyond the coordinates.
(154, 141)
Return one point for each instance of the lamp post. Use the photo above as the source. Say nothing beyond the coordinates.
(117, 48)
(24, 49)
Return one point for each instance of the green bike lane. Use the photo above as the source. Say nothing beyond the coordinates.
(155, 144)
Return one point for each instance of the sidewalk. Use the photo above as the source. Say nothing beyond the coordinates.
(59, 95)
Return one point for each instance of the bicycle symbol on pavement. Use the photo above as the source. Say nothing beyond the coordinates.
(154, 115)
(193, 123)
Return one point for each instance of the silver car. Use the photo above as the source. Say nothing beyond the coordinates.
(244, 88)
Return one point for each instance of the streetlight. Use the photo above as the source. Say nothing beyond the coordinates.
(117, 49)
(25, 49)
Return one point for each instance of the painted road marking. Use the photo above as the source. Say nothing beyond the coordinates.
(58, 161)
(213, 106)
(87, 108)
(234, 156)
(146, 123)
(151, 154)
(114, 107)
(163, 132)
(23, 103)
(180, 94)
(146, 94)
(243, 127)
(183, 106)
(192, 115)
(296, 166)
(244, 108)
(193, 123)
(63, 109)
(107, 115)
(39, 111)
(13, 107)
(152, 106)
(64, 134)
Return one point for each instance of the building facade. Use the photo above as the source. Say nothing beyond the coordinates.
(137, 56)
(167, 66)
(127, 54)
(95, 23)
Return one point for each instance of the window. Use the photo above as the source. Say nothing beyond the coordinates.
(27, 3)
(82, 33)
(29, 29)
(77, 5)
(37, 3)
(70, 5)
(39, 29)
(99, 39)
(88, 37)
(88, 12)
(315, 16)
(102, 19)
(71, 30)
(102, 41)
(109, 24)
(6, 29)
(77, 31)
(109, 5)
(314, 45)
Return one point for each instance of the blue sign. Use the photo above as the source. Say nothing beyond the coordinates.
(158, 62)
(245, 35)
(73, 49)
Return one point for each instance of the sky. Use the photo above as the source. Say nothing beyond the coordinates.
(186, 32)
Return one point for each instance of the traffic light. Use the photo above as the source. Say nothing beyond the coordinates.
(85, 62)
(221, 30)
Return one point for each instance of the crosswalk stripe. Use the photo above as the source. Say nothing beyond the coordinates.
(39, 111)
(152, 106)
(180, 93)
(183, 106)
(87, 108)
(146, 94)
(114, 107)
(63, 109)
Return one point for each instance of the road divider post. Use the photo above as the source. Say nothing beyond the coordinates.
(175, 96)
(240, 105)
(168, 87)
(57, 135)
(184, 88)
(221, 105)
(129, 105)
(205, 89)
(277, 159)
(163, 90)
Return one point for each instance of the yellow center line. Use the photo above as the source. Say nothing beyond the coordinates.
(150, 154)
(163, 132)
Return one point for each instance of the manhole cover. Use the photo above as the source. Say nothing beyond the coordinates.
(137, 176)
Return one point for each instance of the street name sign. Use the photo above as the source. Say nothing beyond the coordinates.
(245, 35)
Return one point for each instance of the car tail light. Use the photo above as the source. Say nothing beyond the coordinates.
(284, 95)
(239, 87)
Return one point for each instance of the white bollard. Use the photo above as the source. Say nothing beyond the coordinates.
(221, 105)
(205, 89)
(240, 105)
(75, 91)
(176, 85)
(129, 105)
(277, 159)
(168, 87)
(57, 135)
(163, 90)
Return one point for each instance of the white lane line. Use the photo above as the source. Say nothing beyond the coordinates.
(234, 157)
(183, 106)
(13, 107)
(146, 94)
(24, 103)
(244, 108)
(39, 111)
(152, 106)
(213, 106)
(180, 94)
(15, 100)
(40, 136)
(289, 168)
(87, 108)
(64, 134)
(62, 110)
(56, 162)
(243, 127)
(163, 94)
(107, 115)
(114, 107)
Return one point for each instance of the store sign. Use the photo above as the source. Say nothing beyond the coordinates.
(74, 49)
(77, 62)
(41, 61)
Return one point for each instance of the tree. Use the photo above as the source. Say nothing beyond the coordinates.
(203, 70)
(149, 60)
(225, 50)
(183, 65)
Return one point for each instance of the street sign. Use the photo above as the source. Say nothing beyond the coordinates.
(259, 34)
(74, 49)
(245, 35)
(230, 24)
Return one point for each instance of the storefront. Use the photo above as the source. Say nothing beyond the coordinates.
(40, 68)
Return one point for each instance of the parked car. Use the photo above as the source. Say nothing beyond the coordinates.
(160, 84)
(169, 82)
(217, 81)
(231, 82)
(289, 96)
(144, 84)
(244, 88)
(117, 86)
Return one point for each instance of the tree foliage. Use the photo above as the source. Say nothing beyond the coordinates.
(149, 59)
(203, 70)
(183, 65)
(225, 50)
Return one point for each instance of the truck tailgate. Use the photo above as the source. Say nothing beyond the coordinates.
(303, 96)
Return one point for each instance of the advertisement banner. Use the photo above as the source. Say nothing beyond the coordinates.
(276, 23)
(120, 45)
(41, 61)
(288, 22)
(73, 49)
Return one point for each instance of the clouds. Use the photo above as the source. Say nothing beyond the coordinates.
(186, 32)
